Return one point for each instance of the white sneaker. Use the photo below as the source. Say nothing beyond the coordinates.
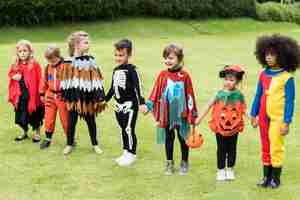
(67, 150)
(121, 157)
(230, 174)
(221, 175)
(127, 160)
(97, 149)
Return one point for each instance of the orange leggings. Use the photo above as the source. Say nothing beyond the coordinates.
(52, 105)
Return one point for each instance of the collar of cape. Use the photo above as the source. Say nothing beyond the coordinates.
(176, 68)
(227, 96)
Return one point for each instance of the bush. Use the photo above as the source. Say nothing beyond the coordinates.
(49, 11)
(46, 11)
(277, 12)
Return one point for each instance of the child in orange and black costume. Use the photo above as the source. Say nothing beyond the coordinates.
(51, 92)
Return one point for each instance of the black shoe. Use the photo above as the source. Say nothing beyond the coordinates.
(264, 182)
(267, 171)
(36, 138)
(74, 144)
(21, 137)
(275, 181)
(45, 144)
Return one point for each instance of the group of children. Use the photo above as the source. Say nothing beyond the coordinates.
(73, 87)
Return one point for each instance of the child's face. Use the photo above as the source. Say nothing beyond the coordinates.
(230, 82)
(23, 53)
(121, 56)
(171, 60)
(53, 60)
(84, 45)
(271, 59)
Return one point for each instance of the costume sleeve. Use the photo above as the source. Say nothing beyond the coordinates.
(12, 71)
(192, 112)
(137, 86)
(154, 96)
(44, 82)
(111, 90)
(256, 101)
(289, 100)
(38, 74)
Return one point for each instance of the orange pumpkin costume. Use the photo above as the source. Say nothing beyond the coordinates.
(227, 114)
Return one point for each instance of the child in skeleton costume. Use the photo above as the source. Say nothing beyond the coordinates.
(173, 104)
(51, 92)
(24, 80)
(82, 89)
(273, 105)
(228, 110)
(126, 89)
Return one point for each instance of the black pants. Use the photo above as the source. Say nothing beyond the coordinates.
(169, 145)
(226, 150)
(91, 123)
(22, 117)
(126, 115)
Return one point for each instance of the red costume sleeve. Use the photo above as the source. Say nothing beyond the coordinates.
(155, 98)
(14, 91)
(191, 113)
(32, 81)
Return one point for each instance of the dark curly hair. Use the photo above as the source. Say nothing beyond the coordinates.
(286, 49)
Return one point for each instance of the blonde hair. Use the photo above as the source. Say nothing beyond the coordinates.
(52, 51)
(28, 45)
(74, 39)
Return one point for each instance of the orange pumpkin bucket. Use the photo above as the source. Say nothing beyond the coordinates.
(195, 139)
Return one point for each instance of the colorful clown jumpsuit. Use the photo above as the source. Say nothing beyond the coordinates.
(53, 100)
(274, 106)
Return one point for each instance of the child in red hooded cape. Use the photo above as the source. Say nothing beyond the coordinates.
(24, 80)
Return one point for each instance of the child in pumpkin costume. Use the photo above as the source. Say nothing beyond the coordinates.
(228, 109)
(273, 105)
(173, 104)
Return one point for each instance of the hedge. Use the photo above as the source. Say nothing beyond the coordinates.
(272, 11)
(31, 12)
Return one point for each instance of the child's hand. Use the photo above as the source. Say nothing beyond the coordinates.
(254, 122)
(198, 120)
(143, 109)
(42, 99)
(17, 77)
(284, 130)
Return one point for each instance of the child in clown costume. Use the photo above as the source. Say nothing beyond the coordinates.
(228, 110)
(273, 105)
(173, 104)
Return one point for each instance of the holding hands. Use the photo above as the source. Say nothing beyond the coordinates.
(254, 122)
(144, 109)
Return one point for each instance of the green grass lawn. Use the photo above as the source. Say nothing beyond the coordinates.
(27, 173)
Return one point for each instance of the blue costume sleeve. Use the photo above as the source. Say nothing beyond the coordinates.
(289, 100)
(256, 101)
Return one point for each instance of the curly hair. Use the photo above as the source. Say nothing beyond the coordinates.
(286, 49)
